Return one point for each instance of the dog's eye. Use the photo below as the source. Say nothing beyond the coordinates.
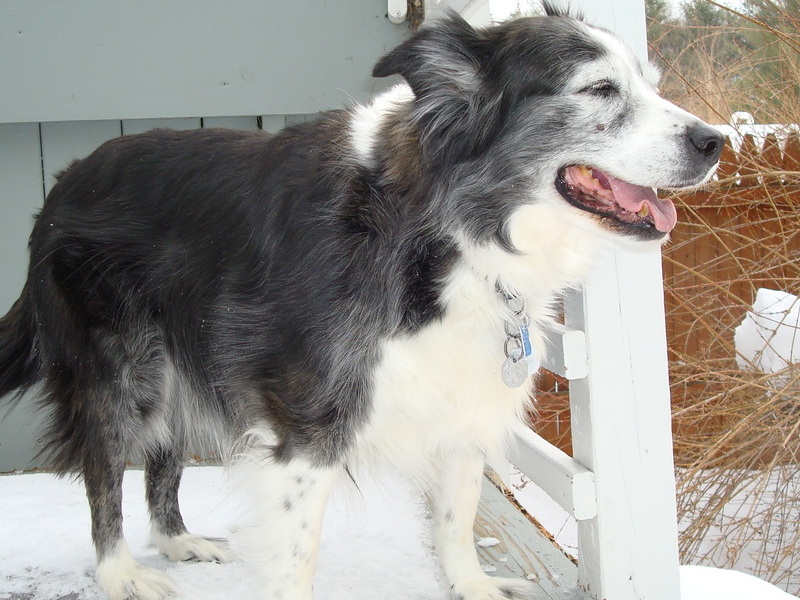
(603, 88)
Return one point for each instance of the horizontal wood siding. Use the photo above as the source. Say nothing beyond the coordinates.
(63, 142)
(94, 59)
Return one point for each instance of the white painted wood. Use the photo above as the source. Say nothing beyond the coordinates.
(622, 431)
(244, 123)
(273, 123)
(567, 354)
(476, 12)
(63, 142)
(565, 480)
(621, 418)
(95, 59)
(626, 18)
(398, 10)
(576, 359)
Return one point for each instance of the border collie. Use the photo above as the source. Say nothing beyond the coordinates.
(370, 287)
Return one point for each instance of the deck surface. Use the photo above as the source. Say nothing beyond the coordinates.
(525, 549)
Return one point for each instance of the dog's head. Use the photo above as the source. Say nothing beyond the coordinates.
(564, 109)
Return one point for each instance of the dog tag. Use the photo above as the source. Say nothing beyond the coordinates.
(514, 371)
(533, 362)
(528, 351)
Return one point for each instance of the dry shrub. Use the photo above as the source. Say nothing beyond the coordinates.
(737, 433)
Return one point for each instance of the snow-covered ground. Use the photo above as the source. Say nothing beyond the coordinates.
(376, 542)
(373, 540)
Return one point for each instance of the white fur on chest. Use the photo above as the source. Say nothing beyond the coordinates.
(440, 389)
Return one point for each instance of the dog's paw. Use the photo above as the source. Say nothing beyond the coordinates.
(123, 579)
(188, 546)
(495, 588)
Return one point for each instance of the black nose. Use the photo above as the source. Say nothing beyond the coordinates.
(706, 140)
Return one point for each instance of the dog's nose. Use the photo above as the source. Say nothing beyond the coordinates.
(706, 140)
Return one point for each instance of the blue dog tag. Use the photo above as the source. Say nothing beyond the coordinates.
(525, 338)
(528, 352)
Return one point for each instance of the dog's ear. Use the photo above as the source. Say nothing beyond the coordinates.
(552, 9)
(457, 111)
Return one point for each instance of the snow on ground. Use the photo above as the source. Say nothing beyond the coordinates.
(374, 543)
(708, 583)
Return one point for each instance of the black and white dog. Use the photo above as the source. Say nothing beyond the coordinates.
(343, 293)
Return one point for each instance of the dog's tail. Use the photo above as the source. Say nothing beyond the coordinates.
(20, 364)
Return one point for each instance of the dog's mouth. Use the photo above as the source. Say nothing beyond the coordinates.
(630, 207)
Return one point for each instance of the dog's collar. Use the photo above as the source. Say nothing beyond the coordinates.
(521, 359)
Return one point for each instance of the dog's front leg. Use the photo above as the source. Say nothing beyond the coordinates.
(290, 502)
(455, 503)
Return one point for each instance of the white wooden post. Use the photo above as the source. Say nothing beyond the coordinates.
(621, 418)
(621, 431)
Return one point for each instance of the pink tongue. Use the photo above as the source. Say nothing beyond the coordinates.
(633, 197)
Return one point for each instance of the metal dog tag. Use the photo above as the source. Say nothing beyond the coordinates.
(514, 371)
(533, 362)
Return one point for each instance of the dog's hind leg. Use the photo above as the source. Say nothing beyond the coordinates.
(454, 504)
(120, 576)
(163, 469)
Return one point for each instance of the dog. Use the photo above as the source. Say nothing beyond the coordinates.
(368, 288)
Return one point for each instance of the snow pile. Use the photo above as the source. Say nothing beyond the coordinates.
(708, 583)
(754, 529)
(768, 339)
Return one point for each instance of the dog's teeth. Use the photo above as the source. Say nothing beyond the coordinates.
(644, 211)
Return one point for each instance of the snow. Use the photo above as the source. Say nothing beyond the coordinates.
(754, 530)
(768, 339)
(708, 583)
(374, 539)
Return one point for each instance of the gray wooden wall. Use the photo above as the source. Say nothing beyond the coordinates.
(76, 74)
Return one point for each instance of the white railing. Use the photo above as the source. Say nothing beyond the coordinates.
(620, 484)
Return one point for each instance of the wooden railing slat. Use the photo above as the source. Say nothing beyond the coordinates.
(791, 154)
(771, 155)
